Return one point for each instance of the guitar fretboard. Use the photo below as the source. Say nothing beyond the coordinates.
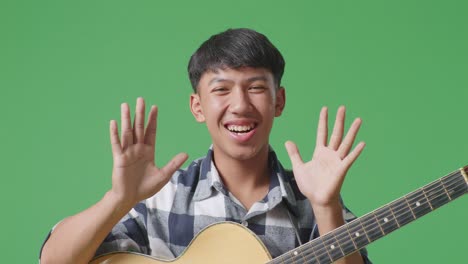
(360, 232)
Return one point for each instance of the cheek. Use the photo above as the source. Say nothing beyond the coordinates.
(212, 110)
(266, 106)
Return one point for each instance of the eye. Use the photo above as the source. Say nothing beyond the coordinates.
(221, 89)
(257, 89)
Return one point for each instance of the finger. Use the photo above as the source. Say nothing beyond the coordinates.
(293, 153)
(348, 141)
(322, 129)
(127, 137)
(114, 138)
(337, 135)
(139, 121)
(173, 165)
(349, 160)
(150, 133)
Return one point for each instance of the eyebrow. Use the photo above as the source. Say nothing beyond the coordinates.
(252, 79)
(215, 80)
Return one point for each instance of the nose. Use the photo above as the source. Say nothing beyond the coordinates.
(240, 102)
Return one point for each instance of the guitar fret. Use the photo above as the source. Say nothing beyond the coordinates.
(333, 247)
(328, 252)
(402, 214)
(363, 229)
(371, 227)
(315, 255)
(456, 185)
(344, 239)
(350, 236)
(319, 255)
(308, 252)
(436, 196)
(439, 200)
(419, 203)
(357, 234)
(411, 210)
(443, 186)
(300, 255)
(391, 210)
(303, 257)
(378, 223)
(293, 255)
(427, 199)
(338, 242)
(316, 258)
(386, 219)
(323, 256)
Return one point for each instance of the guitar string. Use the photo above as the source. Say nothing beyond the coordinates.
(440, 184)
(321, 253)
(434, 197)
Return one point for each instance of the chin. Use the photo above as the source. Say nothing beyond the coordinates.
(242, 152)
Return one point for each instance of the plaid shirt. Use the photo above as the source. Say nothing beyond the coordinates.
(164, 225)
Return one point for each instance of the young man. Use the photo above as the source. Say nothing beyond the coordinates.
(236, 77)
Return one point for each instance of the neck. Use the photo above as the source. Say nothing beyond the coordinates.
(247, 179)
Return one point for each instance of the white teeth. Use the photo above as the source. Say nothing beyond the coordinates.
(234, 128)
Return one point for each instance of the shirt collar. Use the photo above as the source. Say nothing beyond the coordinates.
(205, 186)
(280, 181)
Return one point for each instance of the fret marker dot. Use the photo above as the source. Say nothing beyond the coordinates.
(295, 253)
(418, 204)
(332, 247)
(385, 219)
(357, 234)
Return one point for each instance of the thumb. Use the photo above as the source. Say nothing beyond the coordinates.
(168, 170)
(293, 153)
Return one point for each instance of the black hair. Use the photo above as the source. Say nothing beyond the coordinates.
(235, 48)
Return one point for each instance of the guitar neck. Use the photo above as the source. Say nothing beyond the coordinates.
(364, 230)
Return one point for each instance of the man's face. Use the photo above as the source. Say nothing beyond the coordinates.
(238, 107)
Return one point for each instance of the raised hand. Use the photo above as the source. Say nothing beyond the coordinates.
(321, 178)
(135, 175)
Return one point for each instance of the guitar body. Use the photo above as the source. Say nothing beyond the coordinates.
(224, 242)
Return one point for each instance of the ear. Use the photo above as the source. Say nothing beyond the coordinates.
(196, 109)
(280, 101)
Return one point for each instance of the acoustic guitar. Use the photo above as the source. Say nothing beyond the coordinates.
(232, 243)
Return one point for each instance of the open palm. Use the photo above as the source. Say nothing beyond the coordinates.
(135, 175)
(321, 178)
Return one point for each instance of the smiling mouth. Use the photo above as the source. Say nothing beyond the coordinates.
(241, 129)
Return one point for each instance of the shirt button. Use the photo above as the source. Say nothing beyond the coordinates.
(245, 223)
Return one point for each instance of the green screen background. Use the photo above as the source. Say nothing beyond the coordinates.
(65, 68)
